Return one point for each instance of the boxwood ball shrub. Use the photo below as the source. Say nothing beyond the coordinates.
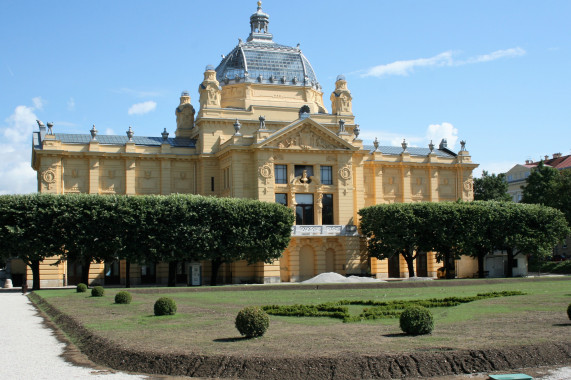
(123, 297)
(81, 288)
(165, 306)
(97, 291)
(416, 320)
(569, 311)
(252, 322)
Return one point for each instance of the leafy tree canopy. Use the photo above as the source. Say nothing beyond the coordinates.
(491, 188)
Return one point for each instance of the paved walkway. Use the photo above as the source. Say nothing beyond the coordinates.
(29, 350)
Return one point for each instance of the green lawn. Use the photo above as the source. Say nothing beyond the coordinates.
(205, 320)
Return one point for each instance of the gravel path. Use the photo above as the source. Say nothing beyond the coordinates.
(31, 351)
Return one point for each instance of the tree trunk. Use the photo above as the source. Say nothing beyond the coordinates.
(172, 273)
(85, 272)
(481, 265)
(127, 274)
(35, 266)
(410, 264)
(509, 269)
(450, 270)
(214, 274)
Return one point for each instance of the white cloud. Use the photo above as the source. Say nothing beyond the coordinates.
(15, 150)
(436, 132)
(20, 125)
(38, 103)
(142, 108)
(498, 54)
(71, 104)
(404, 68)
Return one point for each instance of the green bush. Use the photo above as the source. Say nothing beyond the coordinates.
(97, 291)
(569, 311)
(165, 306)
(81, 288)
(416, 320)
(123, 297)
(252, 322)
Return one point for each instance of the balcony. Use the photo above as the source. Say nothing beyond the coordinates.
(329, 230)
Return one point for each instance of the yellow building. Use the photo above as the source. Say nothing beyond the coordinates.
(262, 131)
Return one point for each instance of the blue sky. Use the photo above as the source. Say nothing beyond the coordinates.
(493, 73)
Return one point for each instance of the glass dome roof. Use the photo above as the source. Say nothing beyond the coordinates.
(261, 60)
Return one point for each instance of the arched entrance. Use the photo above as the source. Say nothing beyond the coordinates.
(306, 263)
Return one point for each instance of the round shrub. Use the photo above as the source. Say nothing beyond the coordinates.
(81, 288)
(416, 320)
(165, 306)
(252, 322)
(123, 297)
(97, 291)
(569, 311)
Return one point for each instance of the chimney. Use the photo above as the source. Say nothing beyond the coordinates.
(556, 155)
(546, 157)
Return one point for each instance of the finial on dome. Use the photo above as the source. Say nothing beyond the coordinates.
(259, 26)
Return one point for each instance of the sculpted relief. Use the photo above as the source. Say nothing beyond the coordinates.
(305, 139)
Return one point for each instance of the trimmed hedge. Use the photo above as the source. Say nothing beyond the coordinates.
(252, 322)
(416, 320)
(97, 291)
(123, 297)
(81, 288)
(379, 309)
(165, 306)
(569, 311)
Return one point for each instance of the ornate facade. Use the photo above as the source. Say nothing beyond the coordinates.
(262, 131)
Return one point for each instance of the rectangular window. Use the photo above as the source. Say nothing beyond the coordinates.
(327, 175)
(281, 198)
(281, 174)
(304, 209)
(327, 211)
(211, 183)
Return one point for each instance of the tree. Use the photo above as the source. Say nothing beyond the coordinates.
(92, 231)
(550, 187)
(491, 188)
(393, 229)
(28, 231)
(242, 229)
(445, 231)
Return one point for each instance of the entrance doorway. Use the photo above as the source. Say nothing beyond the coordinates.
(149, 274)
(421, 264)
(112, 273)
(394, 266)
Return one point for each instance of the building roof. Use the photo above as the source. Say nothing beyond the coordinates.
(557, 161)
(414, 151)
(261, 60)
(69, 138)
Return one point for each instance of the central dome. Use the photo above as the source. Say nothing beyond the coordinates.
(261, 60)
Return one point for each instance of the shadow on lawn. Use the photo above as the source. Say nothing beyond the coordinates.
(230, 340)
(562, 324)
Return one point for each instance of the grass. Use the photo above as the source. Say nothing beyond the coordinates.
(204, 322)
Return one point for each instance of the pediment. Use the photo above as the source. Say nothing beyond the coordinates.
(306, 135)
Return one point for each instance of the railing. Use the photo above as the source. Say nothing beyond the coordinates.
(328, 230)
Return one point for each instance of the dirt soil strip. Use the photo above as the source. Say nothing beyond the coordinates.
(420, 364)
